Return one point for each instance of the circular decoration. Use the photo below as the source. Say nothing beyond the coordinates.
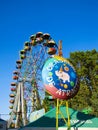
(60, 78)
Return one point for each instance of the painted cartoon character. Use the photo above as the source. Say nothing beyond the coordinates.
(63, 75)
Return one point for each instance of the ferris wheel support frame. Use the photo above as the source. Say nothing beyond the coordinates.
(19, 101)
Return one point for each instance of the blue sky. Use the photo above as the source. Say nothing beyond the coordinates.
(75, 22)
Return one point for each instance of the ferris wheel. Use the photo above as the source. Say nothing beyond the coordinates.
(27, 91)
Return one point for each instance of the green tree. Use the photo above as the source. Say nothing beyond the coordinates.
(86, 65)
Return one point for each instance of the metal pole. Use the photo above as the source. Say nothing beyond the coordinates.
(68, 114)
(60, 48)
(23, 106)
(57, 112)
(18, 108)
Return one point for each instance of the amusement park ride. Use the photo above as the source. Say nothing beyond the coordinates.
(40, 68)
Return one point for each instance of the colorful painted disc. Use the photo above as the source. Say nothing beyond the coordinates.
(60, 78)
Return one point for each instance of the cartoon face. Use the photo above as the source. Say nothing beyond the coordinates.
(63, 75)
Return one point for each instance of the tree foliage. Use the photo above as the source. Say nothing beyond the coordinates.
(86, 65)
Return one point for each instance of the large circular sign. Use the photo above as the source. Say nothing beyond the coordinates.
(60, 78)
